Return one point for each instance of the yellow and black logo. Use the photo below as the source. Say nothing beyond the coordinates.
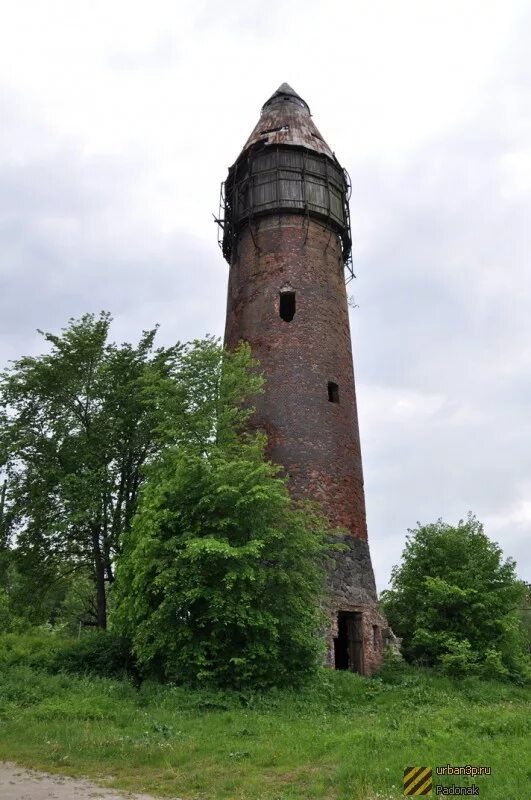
(417, 780)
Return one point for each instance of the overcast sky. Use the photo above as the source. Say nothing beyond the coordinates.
(118, 121)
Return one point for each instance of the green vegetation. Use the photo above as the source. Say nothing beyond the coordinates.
(221, 580)
(456, 603)
(136, 494)
(221, 577)
(75, 434)
(342, 737)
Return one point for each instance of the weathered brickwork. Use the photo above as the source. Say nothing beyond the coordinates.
(315, 440)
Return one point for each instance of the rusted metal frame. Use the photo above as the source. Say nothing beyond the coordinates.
(230, 212)
(347, 253)
(224, 225)
(229, 200)
(277, 180)
(306, 219)
(348, 183)
(327, 178)
(329, 210)
(251, 201)
(220, 222)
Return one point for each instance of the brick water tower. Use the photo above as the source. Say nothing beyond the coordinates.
(286, 236)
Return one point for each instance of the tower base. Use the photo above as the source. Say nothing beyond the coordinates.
(357, 634)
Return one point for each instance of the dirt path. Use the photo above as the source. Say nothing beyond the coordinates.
(17, 783)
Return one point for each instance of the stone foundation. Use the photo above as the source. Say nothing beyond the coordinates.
(351, 589)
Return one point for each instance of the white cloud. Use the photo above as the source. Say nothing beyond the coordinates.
(120, 120)
(519, 514)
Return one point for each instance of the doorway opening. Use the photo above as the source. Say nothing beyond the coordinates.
(348, 645)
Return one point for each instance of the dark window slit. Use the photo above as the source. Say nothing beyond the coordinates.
(287, 306)
(333, 392)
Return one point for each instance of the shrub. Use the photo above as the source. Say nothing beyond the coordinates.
(394, 669)
(4, 610)
(221, 578)
(452, 597)
(459, 659)
(98, 653)
(36, 648)
(23, 686)
(493, 666)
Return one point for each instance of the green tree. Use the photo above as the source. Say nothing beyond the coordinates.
(76, 431)
(222, 574)
(34, 588)
(454, 600)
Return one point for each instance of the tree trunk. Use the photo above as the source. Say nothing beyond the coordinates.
(108, 571)
(99, 572)
(2, 504)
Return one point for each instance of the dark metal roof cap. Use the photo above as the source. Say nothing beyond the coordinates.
(286, 120)
(284, 94)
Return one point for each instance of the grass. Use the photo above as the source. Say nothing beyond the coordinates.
(343, 738)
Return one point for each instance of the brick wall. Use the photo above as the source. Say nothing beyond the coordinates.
(315, 440)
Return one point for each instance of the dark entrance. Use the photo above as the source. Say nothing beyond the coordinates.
(348, 646)
(287, 306)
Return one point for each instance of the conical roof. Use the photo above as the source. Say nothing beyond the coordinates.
(285, 92)
(286, 119)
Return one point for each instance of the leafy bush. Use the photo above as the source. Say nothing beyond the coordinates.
(23, 686)
(493, 666)
(46, 649)
(98, 653)
(36, 648)
(394, 670)
(5, 616)
(221, 578)
(459, 658)
(455, 602)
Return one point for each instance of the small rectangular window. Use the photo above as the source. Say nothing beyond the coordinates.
(287, 306)
(375, 637)
(333, 392)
